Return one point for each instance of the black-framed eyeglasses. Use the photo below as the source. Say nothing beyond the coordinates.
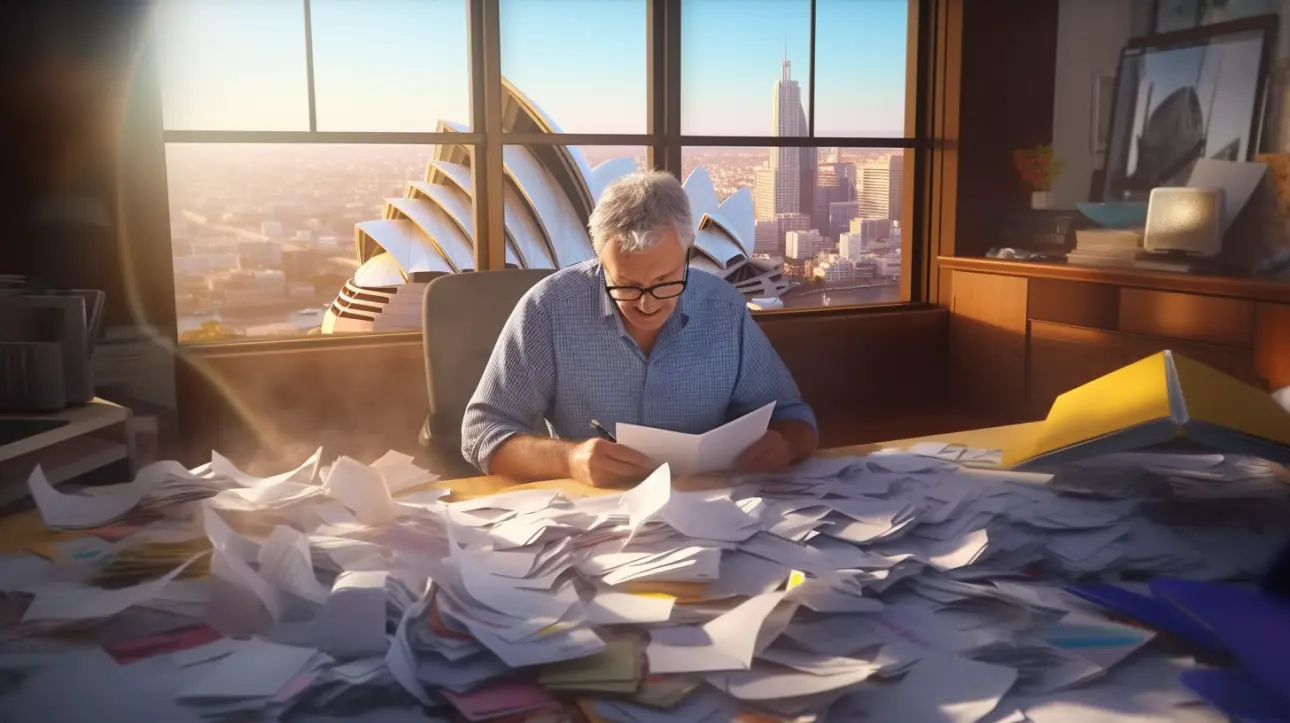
(665, 290)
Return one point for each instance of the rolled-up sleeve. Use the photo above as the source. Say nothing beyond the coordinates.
(517, 387)
(763, 379)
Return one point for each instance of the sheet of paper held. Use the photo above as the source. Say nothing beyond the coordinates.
(689, 454)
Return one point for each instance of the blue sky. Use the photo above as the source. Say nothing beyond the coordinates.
(401, 65)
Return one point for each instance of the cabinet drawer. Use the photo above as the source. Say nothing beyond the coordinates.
(1205, 319)
(1064, 357)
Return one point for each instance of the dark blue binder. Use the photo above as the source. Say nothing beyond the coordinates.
(1156, 614)
(1251, 624)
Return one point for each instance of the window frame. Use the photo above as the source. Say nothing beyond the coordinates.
(928, 178)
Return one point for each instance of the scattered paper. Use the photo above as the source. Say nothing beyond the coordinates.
(689, 454)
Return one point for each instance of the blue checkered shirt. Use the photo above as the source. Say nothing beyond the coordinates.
(564, 359)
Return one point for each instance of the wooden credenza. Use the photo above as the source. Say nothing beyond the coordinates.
(1021, 333)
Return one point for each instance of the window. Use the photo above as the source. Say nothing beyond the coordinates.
(322, 154)
(732, 54)
(273, 240)
(318, 160)
(390, 65)
(801, 227)
(582, 62)
(549, 194)
(860, 51)
(796, 138)
(236, 65)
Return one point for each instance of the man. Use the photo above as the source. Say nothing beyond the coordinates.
(632, 336)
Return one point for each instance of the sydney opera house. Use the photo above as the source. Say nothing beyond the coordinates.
(549, 195)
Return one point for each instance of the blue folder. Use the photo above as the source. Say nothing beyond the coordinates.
(1251, 624)
(1156, 614)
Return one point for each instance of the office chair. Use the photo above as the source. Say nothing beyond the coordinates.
(462, 318)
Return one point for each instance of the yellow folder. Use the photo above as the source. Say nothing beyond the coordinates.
(1155, 401)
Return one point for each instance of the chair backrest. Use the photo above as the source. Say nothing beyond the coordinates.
(463, 316)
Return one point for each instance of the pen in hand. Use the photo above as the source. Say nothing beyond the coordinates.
(604, 433)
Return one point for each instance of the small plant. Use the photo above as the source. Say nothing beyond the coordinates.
(1038, 167)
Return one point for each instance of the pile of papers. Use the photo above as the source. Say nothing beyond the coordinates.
(910, 586)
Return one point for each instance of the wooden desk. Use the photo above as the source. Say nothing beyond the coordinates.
(987, 438)
(25, 531)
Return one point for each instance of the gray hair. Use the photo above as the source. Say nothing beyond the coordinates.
(635, 211)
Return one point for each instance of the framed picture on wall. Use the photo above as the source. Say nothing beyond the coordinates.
(1174, 15)
(1183, 96)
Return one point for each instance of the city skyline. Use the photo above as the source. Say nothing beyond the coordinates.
(260, 232)
(253, 50)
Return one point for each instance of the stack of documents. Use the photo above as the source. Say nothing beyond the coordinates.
(896, 586)
(1196, 476)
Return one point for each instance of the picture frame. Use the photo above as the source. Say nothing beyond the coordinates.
(1198, 93)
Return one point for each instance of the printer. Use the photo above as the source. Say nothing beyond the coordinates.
(46, 340)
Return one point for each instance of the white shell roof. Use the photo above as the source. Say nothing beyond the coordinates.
(608, 172)
(736, 216)
(717, 245)
(405, 243)
(380, 270)
(703, 263)
(455, 172)
(438, 228)
(451, 200)
(432, 228)
(526, 232)
(569, 241)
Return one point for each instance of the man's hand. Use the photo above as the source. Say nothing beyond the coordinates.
(601, 463)
(768, 454)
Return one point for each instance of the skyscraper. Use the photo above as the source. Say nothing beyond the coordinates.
(764, 193)
(784, 189)
(787, 119)
(896, 185)
(836, 183)
(880, 188)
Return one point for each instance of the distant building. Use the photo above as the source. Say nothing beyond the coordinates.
(766, 238)
(851, 246)
(199, 264)
(836, 268)
(259, 254)
(769, 235)
(245, 287)
(271, 229)
(764, 200)
(841, 215)
(896, 181)
(879, 188)
(866, 235)
(835, 183)
(803, 244)
(300, 263)
(212, 245)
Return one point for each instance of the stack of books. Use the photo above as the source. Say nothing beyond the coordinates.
(1105, 247)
